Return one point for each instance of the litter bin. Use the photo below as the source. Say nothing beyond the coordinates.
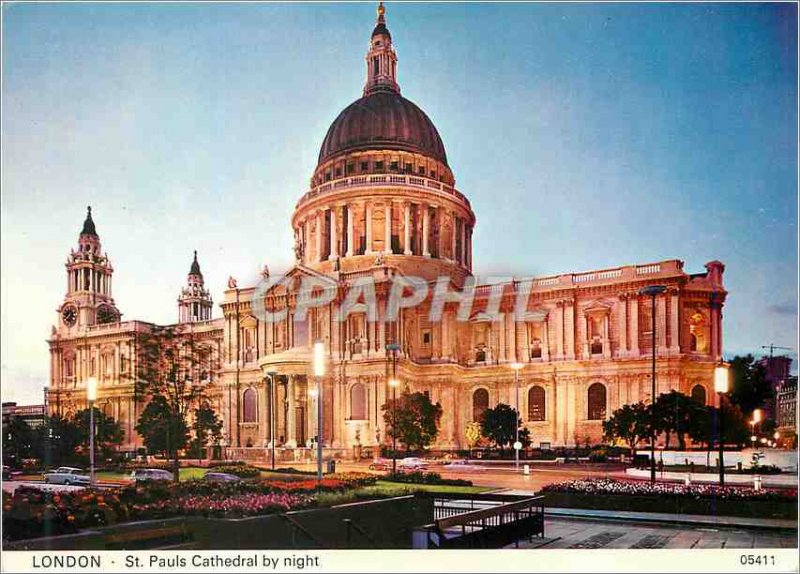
(331, 466)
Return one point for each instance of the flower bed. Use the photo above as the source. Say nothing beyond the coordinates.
(31, 512)
(638, 496)
(250, 504)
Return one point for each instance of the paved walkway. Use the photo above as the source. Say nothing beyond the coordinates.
(574, 533)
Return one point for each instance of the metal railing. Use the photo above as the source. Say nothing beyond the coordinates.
(483, 523)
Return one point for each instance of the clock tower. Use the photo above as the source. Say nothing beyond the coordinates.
(88, 300)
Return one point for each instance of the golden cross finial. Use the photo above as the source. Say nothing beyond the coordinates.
(381, 10)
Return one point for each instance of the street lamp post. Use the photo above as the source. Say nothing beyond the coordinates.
(517, 444)
(272, 414)
(394, 347)
(721, 386)
(319, 372)
(652, 291)
(91, 396)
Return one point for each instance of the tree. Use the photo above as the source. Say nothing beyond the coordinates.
(630, 423)
(108, 432)
(750, 389)
(169, 373)
(18, 441)
(498, 425)
(674, 414)
(61, 438)
(207, 429)
(704, 427)
(473, 434)
(161, 431)
(412, 419)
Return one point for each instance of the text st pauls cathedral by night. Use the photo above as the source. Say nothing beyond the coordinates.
(382, 205)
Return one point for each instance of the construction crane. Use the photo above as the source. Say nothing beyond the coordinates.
(773, 346)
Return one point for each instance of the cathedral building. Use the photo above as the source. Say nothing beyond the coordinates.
(382, 203)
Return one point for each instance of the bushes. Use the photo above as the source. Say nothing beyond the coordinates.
(763, 469)
(418, 477)
(241, 470)
(31, 513)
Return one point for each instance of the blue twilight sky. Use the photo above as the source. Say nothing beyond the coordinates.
(585, 135)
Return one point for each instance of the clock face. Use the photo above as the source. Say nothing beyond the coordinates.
(106, 314)
(69, 315)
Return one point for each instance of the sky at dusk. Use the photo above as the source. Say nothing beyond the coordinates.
(586, 136)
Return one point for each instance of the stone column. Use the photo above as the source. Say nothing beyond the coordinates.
(674, 323)
(306, 240)
(334, 248)
(622, 321)
(291, 415)
(606, 337)
(407, 229)
(464, 243)
(387, 227)
(587, 325)
(569, 323)
(368, 232)
(350, 238)
(426, 224)
(318, 238)
(560, 331)
(633, 324)
(661, 324)
(545, 342)
(453, 235)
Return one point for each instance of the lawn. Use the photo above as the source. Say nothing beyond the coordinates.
(386, 485)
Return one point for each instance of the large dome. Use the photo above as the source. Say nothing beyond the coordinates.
(383, 120)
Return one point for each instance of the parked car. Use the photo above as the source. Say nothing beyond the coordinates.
(411, 463)
(381, 464)
(6, 472)
(462, 466)
(148, 474)
(220, 477)
(67, 475)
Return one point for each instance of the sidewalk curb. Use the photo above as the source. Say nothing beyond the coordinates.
(683, 519)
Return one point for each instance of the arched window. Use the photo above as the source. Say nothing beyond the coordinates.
(358, 402)
(480, 402)
(596, 397)
(536, 404)
(249, 406)
(699, 394)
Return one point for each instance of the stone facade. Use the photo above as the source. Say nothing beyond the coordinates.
(382, 204)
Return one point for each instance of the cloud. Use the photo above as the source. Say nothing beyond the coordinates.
(789, 309)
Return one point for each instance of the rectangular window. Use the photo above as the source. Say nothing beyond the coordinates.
(394, 166)
(364, 165)
(421, 170)
(378, 166)
(327, 176)
(351, 167)
(426, 337)
(433, 174)
(376, 67)
(338, 172)
(409, 168)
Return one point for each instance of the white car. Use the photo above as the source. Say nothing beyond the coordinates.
(462, 466)
(67, 475)
(411, 463)
(151, 474)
